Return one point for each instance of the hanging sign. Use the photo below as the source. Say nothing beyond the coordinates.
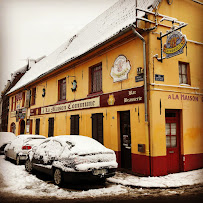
(120, 69)
(175, 43)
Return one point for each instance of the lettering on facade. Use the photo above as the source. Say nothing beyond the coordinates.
(124, 97)
(135, 99)
(183, 97)
(131, 92)
(88, 103)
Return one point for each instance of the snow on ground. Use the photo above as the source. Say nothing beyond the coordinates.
(14, 179)
(168, 181)
(20, 182)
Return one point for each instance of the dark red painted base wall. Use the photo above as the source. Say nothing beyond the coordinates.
(142, 164)
(193, 161)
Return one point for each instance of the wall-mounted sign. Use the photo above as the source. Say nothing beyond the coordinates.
(139, 78)
(159, 77)
(111, 100)
(76, 105)
(13, 114)
(120, 69)
(21, 114)
(175, 43)
(124, 97)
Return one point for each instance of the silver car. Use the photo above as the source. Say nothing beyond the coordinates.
(19, 147)
(72, 158)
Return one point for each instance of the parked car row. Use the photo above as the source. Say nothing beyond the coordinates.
(66, 158)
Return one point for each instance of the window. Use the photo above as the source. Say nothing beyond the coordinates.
(33, 96)
(23, 99)
(62, 89)
(37, 126)
(51, 127)
(96, 78)
(11, 103)
(97, 127)
(13, 128)
(74, 125)
(15, 103)
(184, 73)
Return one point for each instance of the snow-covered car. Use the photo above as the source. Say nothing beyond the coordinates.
(5, 138)
(19, 147)
(69, 158)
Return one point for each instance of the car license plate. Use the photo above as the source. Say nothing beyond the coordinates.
(100, 172)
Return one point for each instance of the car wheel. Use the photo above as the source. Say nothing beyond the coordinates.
(28, 166)
(17, 160)
(58, 178)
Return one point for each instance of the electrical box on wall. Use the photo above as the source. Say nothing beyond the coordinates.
(141, 148)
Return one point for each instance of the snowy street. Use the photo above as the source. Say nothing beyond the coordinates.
(16, 184)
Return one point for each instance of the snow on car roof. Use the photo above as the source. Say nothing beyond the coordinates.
(117, 18)
(82, 144)
(6, 137)
(25, 136)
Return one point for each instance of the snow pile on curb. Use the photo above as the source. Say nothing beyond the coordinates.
(168, 181)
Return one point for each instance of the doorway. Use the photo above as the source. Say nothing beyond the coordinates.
(125, 133)
(22, 127)
(173, 141)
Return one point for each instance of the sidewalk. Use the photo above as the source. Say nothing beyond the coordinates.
(168, 181)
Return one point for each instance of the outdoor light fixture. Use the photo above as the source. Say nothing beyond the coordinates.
(74, 83)
(43, 92)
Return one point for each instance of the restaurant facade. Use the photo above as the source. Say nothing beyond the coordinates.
(137, 91)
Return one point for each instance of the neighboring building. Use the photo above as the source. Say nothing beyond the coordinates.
(4, 100)
(122, 81)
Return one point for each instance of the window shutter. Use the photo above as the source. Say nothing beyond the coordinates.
(51, 127)
(28, 96)
(74, 125)
(97, 127)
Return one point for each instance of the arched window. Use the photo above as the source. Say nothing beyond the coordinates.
(13, 128)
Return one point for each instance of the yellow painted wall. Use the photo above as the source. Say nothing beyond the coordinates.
(191, 111)
(111, 120)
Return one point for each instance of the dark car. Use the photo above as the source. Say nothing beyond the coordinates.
(72, 158)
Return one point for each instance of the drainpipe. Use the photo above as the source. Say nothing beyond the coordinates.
(145, 70)
(145, 93)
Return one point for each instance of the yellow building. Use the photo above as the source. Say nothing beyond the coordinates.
(131, 79)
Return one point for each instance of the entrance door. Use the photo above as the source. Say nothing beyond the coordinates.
(22, 127)
(173, 141)
(125, 140)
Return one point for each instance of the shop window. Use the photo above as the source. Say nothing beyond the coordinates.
(96, 78)
(74, 128)
(62, 89)
(33, 96)
(37, 126)
(184, 73)
(51, 127)
(97, 127)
